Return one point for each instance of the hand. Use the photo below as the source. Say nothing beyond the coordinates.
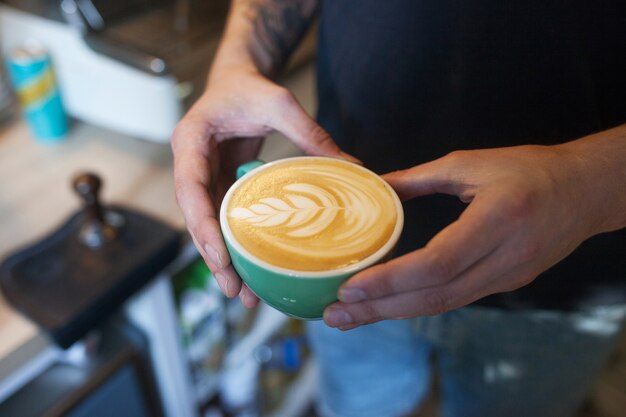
(238, 103)
(529, 207)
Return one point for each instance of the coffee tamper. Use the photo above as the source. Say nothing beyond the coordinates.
(99, 225)
(73, 279)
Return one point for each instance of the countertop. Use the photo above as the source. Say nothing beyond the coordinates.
(36, 194)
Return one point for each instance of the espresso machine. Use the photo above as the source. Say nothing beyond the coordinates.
(132, 66)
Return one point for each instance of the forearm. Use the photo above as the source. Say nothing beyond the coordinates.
(601, 159)
(261, 34)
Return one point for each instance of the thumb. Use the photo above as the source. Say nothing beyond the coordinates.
(438, 176)
(294, 122)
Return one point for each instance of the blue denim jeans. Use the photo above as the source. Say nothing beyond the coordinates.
(490, 362)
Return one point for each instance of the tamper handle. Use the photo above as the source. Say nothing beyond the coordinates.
(87, 186)
(99, 226)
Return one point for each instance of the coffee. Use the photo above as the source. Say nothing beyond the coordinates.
(315, 214)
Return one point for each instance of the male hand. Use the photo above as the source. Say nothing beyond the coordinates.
(529, 207)
(221, 131)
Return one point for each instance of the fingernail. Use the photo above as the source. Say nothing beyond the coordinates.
(351, 295)
(214, 256)
(337, 318)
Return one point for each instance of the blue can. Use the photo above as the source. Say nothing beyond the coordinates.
(30, 69)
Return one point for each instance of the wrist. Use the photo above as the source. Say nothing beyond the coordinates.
(228, 63)
(261, 35)
(240, 46)
(232, 54)
(598, 168)
(265, 32)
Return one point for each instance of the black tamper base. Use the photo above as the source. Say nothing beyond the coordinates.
(68, 288)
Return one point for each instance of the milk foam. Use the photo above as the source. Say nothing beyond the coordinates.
(312, 216)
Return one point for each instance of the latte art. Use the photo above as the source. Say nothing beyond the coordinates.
(312, 216)
(298, 213)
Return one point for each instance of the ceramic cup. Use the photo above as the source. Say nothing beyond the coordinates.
(300, 294)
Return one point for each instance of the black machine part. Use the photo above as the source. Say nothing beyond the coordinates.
(77, 276)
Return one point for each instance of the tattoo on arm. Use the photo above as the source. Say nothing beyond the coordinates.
(280, 24)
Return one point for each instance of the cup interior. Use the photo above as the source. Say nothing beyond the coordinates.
(352, 268)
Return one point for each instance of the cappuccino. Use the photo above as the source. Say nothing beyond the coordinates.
(316, 214)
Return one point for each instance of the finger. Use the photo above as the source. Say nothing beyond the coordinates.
(439, 176)
(227, 278)
(223, 272)
(411, 304)
(477, 232)
(229, 281)
(488, 277)
(247, 297)
(192, 175)
(294, 122)
(192, 183)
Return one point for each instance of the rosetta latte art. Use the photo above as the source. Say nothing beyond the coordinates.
(312, 216)
(296, 214)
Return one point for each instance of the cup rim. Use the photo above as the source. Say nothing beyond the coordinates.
(349, 269)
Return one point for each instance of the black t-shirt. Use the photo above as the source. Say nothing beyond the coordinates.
(401, 82)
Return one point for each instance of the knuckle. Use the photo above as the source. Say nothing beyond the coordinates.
(527, 252)
(191, 129)
(318, 140)
(182, 130)
(283, 97)
(365, 312)
(320, 135)
(177, 136)
(519, 206)
(179, 190)
(457, 156)
(442, 268)
(371, 312)
(185, 203)
(437, 301)
(382, 286)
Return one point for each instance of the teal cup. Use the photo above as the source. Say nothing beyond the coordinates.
(299, 294)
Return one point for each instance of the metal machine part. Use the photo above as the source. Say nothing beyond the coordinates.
(131, 66)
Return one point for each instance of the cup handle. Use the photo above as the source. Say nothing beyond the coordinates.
(243, 169)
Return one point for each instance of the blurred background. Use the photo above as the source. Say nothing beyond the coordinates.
(106, 308)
